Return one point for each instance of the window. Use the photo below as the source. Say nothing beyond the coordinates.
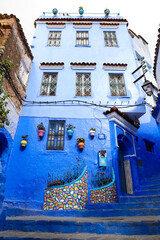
(83, 84)
(54, 38)
(82, 38)
(56, 135)
(149, 146)
(110, 39)
(117, 85)
(49, 84)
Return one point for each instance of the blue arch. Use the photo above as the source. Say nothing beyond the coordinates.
(125, 142)
(6, 142)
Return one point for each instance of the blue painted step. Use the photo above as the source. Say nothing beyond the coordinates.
(149, 186)
(147, 192)
(149, 198)
(121, 225)
(100, 213)
(12, 235)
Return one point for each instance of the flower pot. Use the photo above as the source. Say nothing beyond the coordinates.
(92, 133)
(55, 11)
(70, 132)
(81, 145)
(23, 143)
(41, 132)
(107, 12)
(81, 11)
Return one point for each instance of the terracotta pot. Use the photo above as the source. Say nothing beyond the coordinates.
(41, 132)
(81, 145)
(23, 143)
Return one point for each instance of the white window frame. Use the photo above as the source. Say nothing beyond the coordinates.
(81, 89)
(110, 39)
(49, 85)
(117, 85)
(82, 38)
(54, 38)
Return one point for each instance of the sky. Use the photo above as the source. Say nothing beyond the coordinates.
(143, 16)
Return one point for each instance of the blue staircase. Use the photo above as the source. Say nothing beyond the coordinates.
(134, 217)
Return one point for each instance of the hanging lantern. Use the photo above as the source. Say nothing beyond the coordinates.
(148, 87)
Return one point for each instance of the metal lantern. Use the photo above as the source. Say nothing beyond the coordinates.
(148, 87)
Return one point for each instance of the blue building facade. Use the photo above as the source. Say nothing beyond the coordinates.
(82, 75)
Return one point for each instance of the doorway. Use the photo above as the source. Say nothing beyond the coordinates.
(122, 171)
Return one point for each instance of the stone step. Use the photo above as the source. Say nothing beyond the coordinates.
(149, 186)
(147, 192)
(142, 211)
(148, 198)
(154, 180)
(149, 225)
(12, 235)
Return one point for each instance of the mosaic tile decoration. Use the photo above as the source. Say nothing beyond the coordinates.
(104, 195)
(74, 196)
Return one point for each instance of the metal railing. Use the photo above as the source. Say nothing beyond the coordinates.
(101, 178)
(60, 177)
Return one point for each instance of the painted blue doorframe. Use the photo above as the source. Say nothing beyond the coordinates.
(123, 149)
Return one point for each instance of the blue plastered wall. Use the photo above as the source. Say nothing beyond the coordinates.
(28, 168)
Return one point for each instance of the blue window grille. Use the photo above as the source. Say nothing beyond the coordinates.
(56, 135)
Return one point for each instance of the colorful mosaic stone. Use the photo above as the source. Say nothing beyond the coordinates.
(104, 195)
(73, 196)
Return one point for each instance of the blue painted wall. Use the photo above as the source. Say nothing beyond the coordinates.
(28, 168)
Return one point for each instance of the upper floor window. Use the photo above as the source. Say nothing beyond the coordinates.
(117, 85)
(49, 84)
(110, 39)
(54, 38)
(82, 38)
(55, 139)
(149, 145)
(83, 84)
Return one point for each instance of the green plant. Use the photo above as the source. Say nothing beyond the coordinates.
(25, 137)
(4, 65)
(69, 126)
(41, 127)
(80, 139)
(93, 129)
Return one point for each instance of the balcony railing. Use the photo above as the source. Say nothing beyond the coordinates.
(60, 177)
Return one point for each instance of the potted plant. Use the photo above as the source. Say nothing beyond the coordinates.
(55, 11)
(92, 132)
(24, 140)
(107, 12)
(81, 10)
(41, 129)
(70, 129)
(81, 142)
